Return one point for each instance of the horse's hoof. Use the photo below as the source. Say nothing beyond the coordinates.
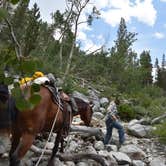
(51, 162)
(14, 161)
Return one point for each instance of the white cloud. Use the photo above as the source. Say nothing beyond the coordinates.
(127, 10)
(47, 7)
(159, 35)
(87, 44)
(163, 0)
(111, 12)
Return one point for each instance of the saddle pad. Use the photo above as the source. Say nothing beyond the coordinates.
(41, 80)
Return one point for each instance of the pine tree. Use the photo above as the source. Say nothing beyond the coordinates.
(122, 58)
(146, 68)
(31, 30)
(163, 63)
(161, 76)
(157, 68)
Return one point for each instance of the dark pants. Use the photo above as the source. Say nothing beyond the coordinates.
(110, 124)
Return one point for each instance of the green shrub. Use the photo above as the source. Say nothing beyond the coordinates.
(139, 111)
(68, 86)
(72, 84)
(153, 91)
(160, 132)
(126, 112)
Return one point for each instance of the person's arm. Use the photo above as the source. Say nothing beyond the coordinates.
(113, 111)
(114, 117)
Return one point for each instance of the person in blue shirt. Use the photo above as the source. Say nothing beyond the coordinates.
(112, 121)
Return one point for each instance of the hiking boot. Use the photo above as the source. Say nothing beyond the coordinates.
(119, 146)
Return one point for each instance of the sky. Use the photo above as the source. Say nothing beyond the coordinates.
(145, 17)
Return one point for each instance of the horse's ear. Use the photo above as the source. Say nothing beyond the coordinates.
(91, 104)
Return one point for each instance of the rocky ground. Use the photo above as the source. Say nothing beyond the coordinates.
(85, 149)
(136, 151)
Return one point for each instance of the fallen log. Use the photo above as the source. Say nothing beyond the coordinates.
(37, 150)
(91, 131)
(70, 157)
(158, 119)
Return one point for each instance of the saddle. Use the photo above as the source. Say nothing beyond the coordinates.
(55, 95)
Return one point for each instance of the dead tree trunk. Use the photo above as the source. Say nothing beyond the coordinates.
(90, 131)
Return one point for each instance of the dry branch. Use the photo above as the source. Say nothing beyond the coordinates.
(158, 119)
(18, 49)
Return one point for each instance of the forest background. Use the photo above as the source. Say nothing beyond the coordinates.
(28, 44)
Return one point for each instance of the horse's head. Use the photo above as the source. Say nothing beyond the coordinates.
(90, 112)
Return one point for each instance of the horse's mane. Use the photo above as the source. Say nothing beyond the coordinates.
(81, 103)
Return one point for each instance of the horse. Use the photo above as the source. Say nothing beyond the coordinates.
(84, 110)
(28, 123)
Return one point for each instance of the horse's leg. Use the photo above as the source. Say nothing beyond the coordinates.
(14, 144)
(62, 141)
(23, 146)
(55, 149)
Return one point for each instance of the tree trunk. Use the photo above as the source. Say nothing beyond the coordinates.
(69, 61)
(90, 131)
(60, 56)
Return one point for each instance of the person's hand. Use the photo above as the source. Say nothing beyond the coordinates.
(114, 118)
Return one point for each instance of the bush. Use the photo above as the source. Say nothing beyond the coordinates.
(153, 91)
(126, 112)
(139, 111)
(160, 132)
(71, 84)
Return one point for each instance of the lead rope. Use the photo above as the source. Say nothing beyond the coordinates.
(49, 135)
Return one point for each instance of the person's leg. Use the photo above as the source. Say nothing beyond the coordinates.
(120, 128)
(109, 128)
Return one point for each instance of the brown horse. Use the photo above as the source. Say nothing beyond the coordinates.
(29, 123)
(26, 124)
(84, 110)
